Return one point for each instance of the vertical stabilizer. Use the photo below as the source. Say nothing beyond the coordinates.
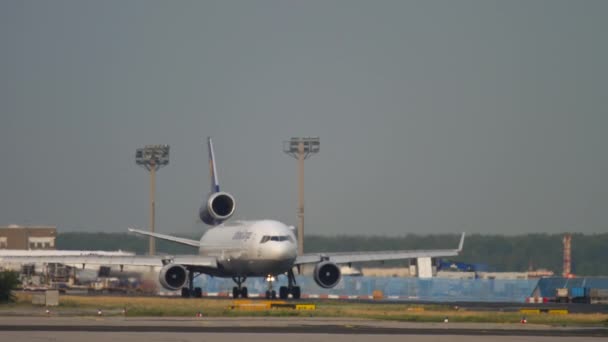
(215, 184)
(219, 205)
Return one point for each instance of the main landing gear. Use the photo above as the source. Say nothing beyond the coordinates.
(197, 293)
(191, 291)
(291, 288)
(239, 291)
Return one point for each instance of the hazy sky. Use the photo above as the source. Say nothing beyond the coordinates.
(434, 116)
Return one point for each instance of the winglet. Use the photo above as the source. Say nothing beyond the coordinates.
(461, 244)
(215, 184)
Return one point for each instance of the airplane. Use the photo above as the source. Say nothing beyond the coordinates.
(243, 249)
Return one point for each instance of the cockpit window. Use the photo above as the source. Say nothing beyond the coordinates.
(267, 238)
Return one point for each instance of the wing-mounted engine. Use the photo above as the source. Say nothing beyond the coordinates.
(219, 207)
(327, 274)
(173, 277)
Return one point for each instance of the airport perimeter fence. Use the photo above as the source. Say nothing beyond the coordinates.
(433, 290)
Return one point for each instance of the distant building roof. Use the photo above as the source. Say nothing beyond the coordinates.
(16, 226)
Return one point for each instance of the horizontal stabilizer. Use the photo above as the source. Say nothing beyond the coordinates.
(182, 241)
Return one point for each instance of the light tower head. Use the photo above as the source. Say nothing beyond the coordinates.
(152, 156)
(310, 146)
(301, 148)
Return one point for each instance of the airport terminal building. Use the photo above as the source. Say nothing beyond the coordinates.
(28, 237)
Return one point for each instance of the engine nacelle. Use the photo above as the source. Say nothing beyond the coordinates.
(219, 207)
(327, 274)
(173, 277)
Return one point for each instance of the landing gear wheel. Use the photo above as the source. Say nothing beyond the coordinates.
(291, 287)
(273, 293)
(198, 292)
(295, 292)
(283, 292)
(185, 292)
(239, 290)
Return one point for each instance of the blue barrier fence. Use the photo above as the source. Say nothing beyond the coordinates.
(434, 289)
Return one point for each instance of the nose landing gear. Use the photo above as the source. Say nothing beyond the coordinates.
(270, 292)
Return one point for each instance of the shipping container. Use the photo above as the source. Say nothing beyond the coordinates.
(576, 292)
(561, 292)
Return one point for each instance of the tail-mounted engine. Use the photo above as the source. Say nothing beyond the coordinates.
(219, 207)
(327, 274)
(173, 277)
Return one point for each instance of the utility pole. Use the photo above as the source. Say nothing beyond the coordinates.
(301, 149)
(152, 158)
(567, 258)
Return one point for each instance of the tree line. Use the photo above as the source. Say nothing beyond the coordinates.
(501, 253)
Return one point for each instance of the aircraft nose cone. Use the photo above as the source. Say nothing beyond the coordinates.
(284, 251)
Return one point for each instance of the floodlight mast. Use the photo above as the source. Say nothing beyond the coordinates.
(152, 158)
(301, 149)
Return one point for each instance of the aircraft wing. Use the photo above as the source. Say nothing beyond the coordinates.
(142, 260)
(179, 240)
(349, 257)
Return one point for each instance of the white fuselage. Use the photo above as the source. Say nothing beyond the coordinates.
(250, 248)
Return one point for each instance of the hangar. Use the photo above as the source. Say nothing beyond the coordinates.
(28, 237)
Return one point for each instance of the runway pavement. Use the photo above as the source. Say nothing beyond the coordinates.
(37, 336)
(297, 326)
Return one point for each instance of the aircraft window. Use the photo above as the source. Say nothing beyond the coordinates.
(267, 238)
